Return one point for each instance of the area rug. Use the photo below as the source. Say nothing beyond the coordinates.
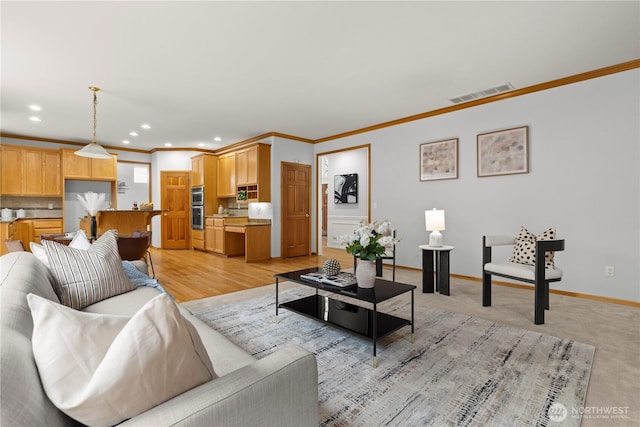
(460, 370)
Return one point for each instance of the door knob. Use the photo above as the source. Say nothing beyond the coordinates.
(307, 215)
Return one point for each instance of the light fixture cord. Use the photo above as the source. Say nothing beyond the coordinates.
(95, 103)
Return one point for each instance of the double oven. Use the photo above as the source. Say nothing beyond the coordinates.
(197, 207)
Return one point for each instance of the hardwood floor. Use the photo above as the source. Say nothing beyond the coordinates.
(192, 274)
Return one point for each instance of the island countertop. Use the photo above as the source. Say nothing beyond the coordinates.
(125, 221)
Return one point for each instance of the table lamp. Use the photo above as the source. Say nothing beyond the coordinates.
(434, 220)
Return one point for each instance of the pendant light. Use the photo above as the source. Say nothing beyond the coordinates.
(94, 149)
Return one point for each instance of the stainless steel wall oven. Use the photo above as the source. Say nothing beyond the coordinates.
(197, 208)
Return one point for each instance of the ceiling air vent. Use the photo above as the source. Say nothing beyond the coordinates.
(482, 93)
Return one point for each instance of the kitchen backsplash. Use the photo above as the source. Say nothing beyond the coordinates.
(35, 207)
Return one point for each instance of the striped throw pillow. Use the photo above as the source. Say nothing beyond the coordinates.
(86, 277)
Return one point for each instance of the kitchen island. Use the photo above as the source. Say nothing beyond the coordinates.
(125, 221)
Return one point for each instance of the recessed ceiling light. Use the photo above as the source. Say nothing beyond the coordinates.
(201, 144)
(35, 107)
(167, 144)
(35, 119)
(133, 133)
(217, 139)
(145, 126)
(125, 141)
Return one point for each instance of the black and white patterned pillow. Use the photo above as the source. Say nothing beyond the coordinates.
(87, 276)
(524, 249)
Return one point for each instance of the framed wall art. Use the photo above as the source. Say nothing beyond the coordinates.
(345, 188)
(439, 160)
(503, 152)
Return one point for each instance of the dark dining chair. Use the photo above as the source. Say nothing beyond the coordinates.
(133, 248)
(147, 258)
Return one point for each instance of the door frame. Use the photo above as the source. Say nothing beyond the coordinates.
(319, 187)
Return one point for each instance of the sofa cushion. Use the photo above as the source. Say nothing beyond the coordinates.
(521, 271)
(85, 277)
(101, 369)
(524, 248)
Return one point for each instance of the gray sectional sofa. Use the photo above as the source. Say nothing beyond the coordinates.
(280, 389)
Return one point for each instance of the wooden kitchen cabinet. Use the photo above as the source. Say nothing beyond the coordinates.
(242, 165)
(253, 174)
(11, 170)
(42, 172)
(208, 234)
(227, 175)
(7, 232)
(52, 173)
(204, 169)
(31, 171)
(78, 167)
(30, 230)
(197, 239)
(218, 236)
(197, 171)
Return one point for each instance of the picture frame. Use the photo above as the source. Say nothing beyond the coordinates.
(439, 160)
(345, 188)
(503, 152)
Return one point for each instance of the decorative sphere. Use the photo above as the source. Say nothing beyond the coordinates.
(331, 267)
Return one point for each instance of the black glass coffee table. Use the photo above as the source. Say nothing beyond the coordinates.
(364, 322)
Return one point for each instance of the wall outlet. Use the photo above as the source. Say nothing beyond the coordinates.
(609, 271)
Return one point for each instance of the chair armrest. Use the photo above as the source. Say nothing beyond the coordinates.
(278, 390)
(549, 246)
(542, 247)
(498, 240)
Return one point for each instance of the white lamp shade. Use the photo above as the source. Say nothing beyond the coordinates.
(93, 150)
(434, 220)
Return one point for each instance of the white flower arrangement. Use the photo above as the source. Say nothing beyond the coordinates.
(369, 241)
(92, 201)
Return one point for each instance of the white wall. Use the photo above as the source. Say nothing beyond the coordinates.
(285, 150)
(135, 191)
(584, 179)
(73, 208)
(165, 161)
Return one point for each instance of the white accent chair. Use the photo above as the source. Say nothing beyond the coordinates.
(536, 274)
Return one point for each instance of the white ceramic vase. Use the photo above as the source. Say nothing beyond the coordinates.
(366, 274)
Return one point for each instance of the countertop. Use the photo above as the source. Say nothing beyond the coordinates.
(30, 218)
(245, 221)
(252, 223)
(131, 210)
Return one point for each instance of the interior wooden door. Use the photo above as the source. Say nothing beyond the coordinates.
(296, 209)
(175, 193)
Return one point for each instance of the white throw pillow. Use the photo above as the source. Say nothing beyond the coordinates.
(79, 241)
(103, 369)
(86, 277)
(38, 251)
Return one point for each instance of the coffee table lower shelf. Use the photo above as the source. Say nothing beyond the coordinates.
(361, 321)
